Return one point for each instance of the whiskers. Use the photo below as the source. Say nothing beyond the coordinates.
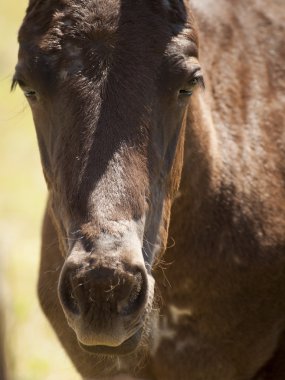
(112, 287)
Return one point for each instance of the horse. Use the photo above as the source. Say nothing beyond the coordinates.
(160, 125)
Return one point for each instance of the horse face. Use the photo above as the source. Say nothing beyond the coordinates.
(109, 85)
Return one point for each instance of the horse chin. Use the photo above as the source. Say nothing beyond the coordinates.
(125, 348)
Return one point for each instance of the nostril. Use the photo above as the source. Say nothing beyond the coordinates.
(67, 294)
(135, 297)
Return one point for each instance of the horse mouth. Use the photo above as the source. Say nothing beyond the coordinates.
(127, 347)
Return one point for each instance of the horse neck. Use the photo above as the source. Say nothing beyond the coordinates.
(233, 138)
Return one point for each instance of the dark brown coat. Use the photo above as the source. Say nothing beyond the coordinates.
(111, 137)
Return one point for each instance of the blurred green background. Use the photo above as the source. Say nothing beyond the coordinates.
(34, 352)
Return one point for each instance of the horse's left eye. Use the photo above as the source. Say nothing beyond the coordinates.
(189, 88)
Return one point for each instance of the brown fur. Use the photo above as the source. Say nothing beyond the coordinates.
(222, 311)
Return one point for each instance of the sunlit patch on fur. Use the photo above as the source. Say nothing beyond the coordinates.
(163, 326)
(176, 314)
(161, 331)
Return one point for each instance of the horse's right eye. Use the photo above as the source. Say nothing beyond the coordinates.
(30, 94)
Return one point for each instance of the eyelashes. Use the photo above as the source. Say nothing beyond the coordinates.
(196, 80)
(29, 93)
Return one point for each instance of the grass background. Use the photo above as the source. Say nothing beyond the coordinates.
(34, 352)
